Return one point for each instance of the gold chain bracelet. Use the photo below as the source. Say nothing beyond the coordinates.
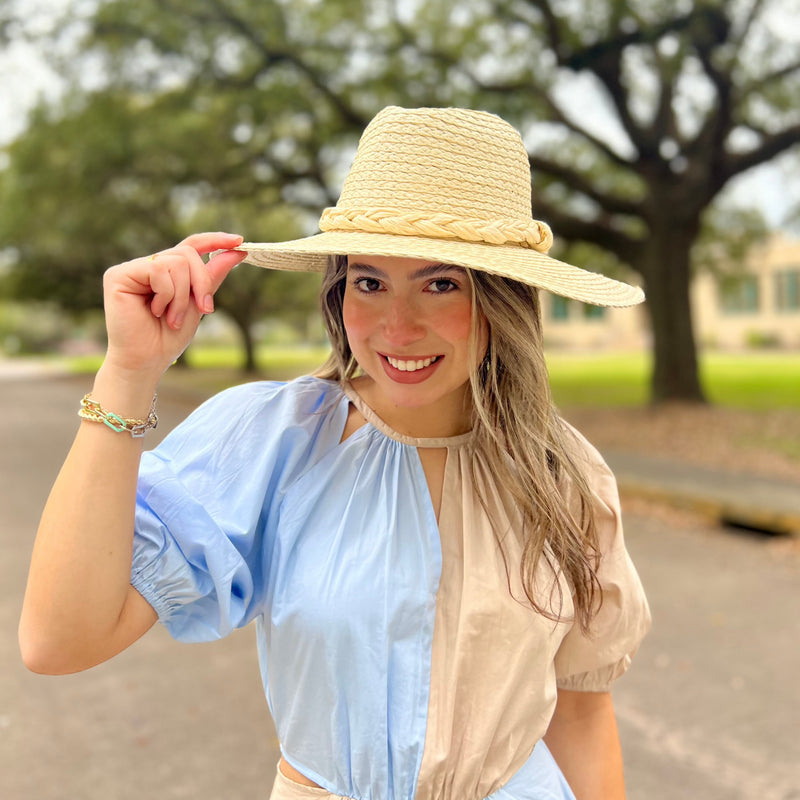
(92, 410)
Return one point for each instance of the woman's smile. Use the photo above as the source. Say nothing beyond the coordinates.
(410, 364)
(410, 369)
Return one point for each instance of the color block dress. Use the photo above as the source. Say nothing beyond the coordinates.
(400, 658)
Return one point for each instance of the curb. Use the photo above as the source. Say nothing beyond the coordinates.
(772, 507)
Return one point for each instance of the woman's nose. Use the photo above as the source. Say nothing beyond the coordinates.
(402, 325)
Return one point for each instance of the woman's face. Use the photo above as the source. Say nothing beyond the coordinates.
(408, 324)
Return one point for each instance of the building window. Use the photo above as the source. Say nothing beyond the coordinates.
(739, 294)
(559, 307)
(593, 312)
(787, 290)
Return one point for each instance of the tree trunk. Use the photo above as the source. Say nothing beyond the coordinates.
(667, 269)
(248, 344)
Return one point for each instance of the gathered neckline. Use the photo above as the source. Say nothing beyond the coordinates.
(415, 441)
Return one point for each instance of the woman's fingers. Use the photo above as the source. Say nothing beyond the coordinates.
(178, 269)
(201, 286)
(220, 265)
(174, 280)
(158, 279)
(189, 278)
(204, 243)
(208, 276)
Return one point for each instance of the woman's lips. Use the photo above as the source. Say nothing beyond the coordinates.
(410, 370)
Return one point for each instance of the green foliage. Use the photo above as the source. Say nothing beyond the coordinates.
(760, 340)
(726, 238)
(30, 329)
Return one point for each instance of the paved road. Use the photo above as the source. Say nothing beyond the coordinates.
(711, 708)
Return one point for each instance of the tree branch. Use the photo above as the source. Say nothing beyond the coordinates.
(771, 146)
(571, 228)
(540, 93)
(738, 40)
(559, 115)
(757, 86)
(609, 71)
(614, 45)
(664, 122)
(603, 58)
(346, 111)
(609, 203)
(552, 28)
(129, 31)
(711, 32)
(520, 87)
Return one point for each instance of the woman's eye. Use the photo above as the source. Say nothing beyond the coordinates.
(367, 285)
(442, 285)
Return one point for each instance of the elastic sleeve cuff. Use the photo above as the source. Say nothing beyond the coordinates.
(598, 680)
(156, 598)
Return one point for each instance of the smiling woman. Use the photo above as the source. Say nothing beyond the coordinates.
(433, 558)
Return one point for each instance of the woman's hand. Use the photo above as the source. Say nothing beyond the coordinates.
(153, 304)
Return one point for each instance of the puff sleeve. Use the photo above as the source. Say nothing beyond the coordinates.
(593, 662)
(207, 500)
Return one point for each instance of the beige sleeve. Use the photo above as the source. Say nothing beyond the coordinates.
(592, 662)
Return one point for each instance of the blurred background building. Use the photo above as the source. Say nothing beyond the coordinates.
(754, 305)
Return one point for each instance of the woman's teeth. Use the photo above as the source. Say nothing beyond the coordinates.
(411, 366)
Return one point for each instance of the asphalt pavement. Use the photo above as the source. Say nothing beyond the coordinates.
(710, 708)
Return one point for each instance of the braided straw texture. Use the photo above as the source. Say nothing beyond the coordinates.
(532, 234)
(456, 175)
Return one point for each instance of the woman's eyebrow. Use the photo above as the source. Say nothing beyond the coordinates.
(368, 271)
(436, 269)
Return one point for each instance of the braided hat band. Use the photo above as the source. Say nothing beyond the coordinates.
(534, 234)
(449, 185)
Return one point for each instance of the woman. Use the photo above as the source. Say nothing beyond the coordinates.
(433, 558)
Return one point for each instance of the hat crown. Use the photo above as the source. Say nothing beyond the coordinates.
(464, 163)
(441, 173)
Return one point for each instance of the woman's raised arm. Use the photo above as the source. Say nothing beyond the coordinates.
(79, 607)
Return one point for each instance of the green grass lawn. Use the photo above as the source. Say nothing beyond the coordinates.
(754, 380)
(743, 380)
(274, 362)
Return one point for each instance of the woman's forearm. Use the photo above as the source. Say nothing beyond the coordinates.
(584, 741)
(79, 579)
(79, 607)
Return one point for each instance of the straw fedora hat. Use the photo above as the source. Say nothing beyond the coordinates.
(442, 184)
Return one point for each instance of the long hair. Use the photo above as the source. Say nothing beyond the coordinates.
(516, 427)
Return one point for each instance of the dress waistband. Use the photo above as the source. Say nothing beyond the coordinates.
(539, 778)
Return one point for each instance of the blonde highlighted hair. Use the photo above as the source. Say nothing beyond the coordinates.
(516, 426)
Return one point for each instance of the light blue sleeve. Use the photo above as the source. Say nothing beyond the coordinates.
(209, 496)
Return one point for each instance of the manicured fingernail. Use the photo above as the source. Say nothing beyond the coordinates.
(208, 304)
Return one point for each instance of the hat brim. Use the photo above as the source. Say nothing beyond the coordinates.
(519, 263)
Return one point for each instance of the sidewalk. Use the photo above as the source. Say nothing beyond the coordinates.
(767, 505)
(26, 368)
